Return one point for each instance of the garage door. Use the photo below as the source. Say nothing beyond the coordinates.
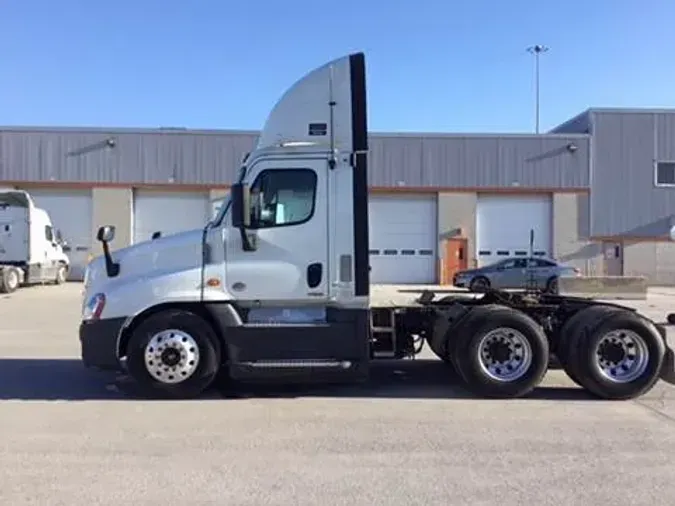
(403, 238)
(504, 224)
(168, 212)
(71, 212)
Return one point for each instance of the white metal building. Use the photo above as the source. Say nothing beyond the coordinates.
(489, 195)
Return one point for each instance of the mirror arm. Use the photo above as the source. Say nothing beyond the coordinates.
(112, 268)
(246, 243)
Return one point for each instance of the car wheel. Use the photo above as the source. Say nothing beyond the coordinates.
(552, 286)
(479, 284)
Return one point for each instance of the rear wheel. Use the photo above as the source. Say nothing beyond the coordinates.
(174, 353)
(570, 335)
(552, 285)
(479, 284)
(10, 279)
(619, 356)
(501, 352)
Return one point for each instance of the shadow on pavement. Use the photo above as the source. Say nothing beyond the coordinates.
(67, 379)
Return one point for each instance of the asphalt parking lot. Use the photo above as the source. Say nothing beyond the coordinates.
(411, 436)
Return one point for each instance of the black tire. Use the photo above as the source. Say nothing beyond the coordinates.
(441, 357)
(61, 275)
(587, 363)
(478, 323)
(10, 280)
(671, 318)
(570, 335)
(208, 347)
(479, 284)
(552, 285)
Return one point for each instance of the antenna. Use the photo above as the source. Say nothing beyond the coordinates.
(536, 51)
(530, 282)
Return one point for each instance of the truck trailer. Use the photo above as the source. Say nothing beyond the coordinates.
(31, 249)
(276, 287)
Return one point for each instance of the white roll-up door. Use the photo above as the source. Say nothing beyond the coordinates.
(403, 239)
(168, 212)
(504, 224)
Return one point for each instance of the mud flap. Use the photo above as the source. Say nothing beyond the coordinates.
(668, 367)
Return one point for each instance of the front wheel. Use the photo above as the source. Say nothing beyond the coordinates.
(10, 279)
(174, 353)
(61, 275)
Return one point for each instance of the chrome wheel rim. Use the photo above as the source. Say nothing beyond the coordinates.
(621, 356)
(171, 356)
(505, 354)
(61, 274)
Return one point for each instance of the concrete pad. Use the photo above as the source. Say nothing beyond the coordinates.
(410, 436)
(606, 287)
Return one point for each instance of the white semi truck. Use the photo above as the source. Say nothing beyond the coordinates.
(276, 287)
(31, 249)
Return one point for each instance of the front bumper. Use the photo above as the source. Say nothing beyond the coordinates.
(98, 343)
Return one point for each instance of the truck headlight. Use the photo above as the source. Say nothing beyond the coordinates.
(94, 307)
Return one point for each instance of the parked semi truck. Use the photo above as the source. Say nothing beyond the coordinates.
(31, 249)
(276, 287)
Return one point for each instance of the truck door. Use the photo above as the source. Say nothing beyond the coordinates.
(289, 218)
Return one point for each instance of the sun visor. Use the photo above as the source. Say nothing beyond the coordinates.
(326, 107)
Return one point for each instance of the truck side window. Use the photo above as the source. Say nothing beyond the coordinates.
(48, 233)
(282, 197)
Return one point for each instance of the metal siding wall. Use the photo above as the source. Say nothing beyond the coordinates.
(214, 158)
(136, 157)
(570, 234)
(479, 162)
(624, 199)
(665, 137)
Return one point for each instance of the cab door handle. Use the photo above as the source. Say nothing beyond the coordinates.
(314, 274)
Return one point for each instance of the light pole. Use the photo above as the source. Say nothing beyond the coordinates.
(536, 51)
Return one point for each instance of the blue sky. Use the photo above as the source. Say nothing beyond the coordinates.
(433, 65)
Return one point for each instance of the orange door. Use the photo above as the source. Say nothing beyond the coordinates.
(455, 258)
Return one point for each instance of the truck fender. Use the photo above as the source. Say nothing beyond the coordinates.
(220, 316)
(446, 318)
(223, 317)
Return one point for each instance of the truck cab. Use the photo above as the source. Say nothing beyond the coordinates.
(31, 249)
(277, 283)
(276, 286)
